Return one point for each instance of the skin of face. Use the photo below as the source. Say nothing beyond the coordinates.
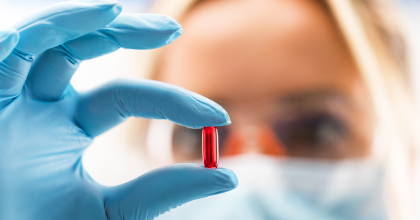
(255, 56)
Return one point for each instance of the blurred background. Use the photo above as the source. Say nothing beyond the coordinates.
(117, 156)
(139, 145)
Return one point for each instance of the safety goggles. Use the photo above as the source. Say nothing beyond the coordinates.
(321, 125)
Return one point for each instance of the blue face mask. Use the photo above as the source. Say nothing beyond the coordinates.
(293, 189)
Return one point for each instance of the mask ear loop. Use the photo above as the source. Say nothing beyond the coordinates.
(159, 142)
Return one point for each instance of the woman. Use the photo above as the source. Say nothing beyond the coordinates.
(310, 84)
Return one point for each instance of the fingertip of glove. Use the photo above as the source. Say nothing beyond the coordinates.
(176, 34)
(214, 181)
(112, 6)
(224, 116)
(117, 7)
(218, 117)
(226, 178)
(144, 31)
(168, 26)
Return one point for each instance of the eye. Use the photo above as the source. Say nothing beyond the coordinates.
(312, 135)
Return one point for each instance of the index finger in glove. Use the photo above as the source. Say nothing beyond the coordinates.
(166, 188)
(109, 105)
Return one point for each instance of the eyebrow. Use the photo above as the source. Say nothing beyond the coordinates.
(309, 97)
(298, 99)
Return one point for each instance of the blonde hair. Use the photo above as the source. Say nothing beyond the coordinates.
(372, 31)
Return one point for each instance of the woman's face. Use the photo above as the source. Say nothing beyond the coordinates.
(282, 71)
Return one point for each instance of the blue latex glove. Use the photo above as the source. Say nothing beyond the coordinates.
(45, 125)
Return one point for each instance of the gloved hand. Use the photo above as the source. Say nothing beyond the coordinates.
(45, 125)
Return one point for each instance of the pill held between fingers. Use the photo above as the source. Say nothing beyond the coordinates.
(210, 144)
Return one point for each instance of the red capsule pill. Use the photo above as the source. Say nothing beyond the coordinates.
(210, 147)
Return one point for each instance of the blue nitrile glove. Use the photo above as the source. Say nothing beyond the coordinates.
(45, 125)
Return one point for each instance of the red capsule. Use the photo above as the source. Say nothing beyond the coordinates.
(210, 147)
